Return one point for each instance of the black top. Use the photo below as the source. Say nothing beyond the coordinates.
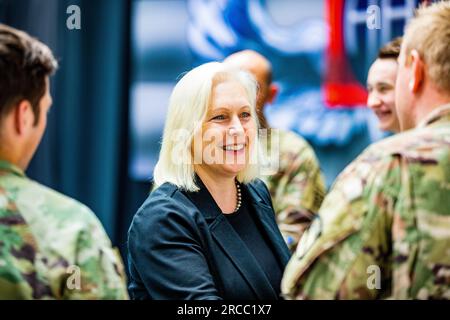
(252, 233)
(181, 246)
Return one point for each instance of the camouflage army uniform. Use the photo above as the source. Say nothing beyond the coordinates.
(297, 189)
(52, 247)
(387, 217)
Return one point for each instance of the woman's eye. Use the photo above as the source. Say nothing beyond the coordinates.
(219, 117)
(245, 115)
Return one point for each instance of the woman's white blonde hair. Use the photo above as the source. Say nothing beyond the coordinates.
(188, 106)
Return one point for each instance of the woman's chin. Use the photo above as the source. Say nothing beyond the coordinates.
(233, 169)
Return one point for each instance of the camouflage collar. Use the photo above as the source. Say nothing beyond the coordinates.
(9, 167)
(436, 115)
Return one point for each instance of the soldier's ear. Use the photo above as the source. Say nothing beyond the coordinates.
(418, 71)
(23, 117)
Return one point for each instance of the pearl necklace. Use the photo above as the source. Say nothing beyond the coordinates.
(239, 197)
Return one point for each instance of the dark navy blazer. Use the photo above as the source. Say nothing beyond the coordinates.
(182, 247)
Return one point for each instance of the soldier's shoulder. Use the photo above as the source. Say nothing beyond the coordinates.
(292, 138)
(418, 147)
(291, 143)
(62, 200)
(411, 144)
(32, 196)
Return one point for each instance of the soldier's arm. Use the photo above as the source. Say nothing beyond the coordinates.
(98, 272)
(298, 195)
(421, 228)
(346, 252)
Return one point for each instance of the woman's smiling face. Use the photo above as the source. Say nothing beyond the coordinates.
(228, 130)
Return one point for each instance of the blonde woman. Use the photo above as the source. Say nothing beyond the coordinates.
(208, 230)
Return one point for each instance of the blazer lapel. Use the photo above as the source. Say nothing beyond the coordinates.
(266, 216)
(231, 243)
(242, 258)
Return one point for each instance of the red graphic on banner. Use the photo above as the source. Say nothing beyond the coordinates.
(340, 87)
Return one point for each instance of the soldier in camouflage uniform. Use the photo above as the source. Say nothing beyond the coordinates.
(51, 246)
(383, 230)
(297, 188)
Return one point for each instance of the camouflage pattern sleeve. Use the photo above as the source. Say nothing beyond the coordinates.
(18, 277)
(98, 271)
(51, 246)
(383, 231)
(345, 239)
(297, 189)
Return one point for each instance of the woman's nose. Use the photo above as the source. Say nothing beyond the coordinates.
(235, 127)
